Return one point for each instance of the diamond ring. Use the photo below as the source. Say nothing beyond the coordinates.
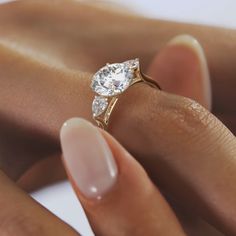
(110, 82)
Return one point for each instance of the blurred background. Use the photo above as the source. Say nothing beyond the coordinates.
(211, 12)
(59, 198)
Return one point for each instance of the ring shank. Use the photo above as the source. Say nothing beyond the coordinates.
(103, 119)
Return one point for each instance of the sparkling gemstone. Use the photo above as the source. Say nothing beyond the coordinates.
(134, 64)
(114, 79)
(99, 105)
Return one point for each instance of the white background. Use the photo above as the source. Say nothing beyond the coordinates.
(60, 198)
(213, 12)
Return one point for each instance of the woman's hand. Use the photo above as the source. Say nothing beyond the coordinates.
(41, 92)
(51, 44)
(130, 204)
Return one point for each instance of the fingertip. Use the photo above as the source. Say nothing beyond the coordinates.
(88, 159)
(71, 124)
(181, 68)
(193, 44)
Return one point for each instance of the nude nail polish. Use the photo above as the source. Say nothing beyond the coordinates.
(88, 158)
(192, 43)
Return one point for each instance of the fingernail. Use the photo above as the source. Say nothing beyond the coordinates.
(88, 158)
(193, 44)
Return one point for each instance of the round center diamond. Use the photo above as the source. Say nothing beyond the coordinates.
(113, 79)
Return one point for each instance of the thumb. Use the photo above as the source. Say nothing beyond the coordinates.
(181, 68)
(115, 191)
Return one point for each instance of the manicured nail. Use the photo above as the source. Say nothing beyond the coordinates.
(194, 45)
(88, 158)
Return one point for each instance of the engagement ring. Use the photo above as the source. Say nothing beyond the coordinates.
(110, 82)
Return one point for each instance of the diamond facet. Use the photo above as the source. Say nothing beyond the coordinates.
(99, 105)
(114, 79)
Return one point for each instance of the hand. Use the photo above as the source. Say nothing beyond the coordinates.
(54, 90)
(174, 162)
(125, 208)
(67, 51)
(115, 191)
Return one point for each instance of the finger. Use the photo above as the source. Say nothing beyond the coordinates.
(70, 45)
(116, 193)
(20, 215)
(181, 68)
(67, 46)
(64, 91)
(229, 120)
(52, 169)
(187, 151)
(44, 96)
(69, 92)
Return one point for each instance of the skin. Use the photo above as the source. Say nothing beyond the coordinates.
(180, 152)
(57, 51)
(133, 190)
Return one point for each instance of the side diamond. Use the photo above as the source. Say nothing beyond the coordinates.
(99, 105)
(133, 64)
